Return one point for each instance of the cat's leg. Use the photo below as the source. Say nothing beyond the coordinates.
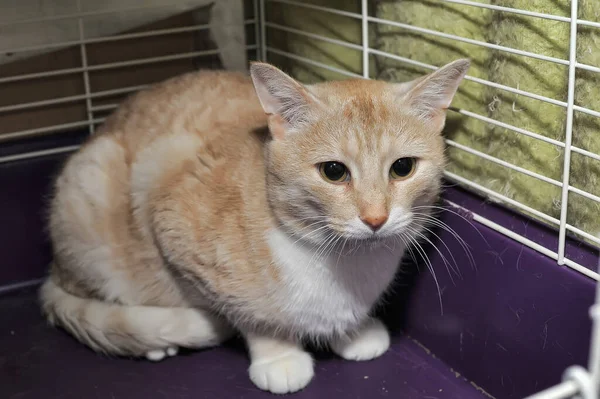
(278, 366)
(371, 340)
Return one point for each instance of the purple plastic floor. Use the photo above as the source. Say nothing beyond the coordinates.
(37, 361)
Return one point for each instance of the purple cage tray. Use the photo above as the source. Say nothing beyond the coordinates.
(39, 362)
(512, 324)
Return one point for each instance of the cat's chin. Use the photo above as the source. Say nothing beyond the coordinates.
(373, 241)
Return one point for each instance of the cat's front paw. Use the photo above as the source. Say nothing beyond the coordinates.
(369, 342)
(286, 373)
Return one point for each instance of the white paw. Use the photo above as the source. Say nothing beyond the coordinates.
(172, 351)
(371, 341)
(287, 373)
(157, 355)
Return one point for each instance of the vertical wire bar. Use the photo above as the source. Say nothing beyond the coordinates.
(263, 32)
(257, 25)
(365, 38)
(86, 75)
(569, 134)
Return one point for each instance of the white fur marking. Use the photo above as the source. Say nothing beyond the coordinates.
(156, 355)
(285, 373)
(330, 293)
(172, 350)
(370, 342)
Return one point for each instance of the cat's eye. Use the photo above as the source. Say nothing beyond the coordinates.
(403, 168)
(335, 172)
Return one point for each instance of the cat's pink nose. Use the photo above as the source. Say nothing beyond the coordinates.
(375, 222)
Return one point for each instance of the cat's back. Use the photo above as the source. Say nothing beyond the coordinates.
(187, 125)
(205, 103)
(163, 127)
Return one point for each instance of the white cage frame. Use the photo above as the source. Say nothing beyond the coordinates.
(227, 28)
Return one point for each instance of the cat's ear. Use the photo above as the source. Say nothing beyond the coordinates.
(287, 102)
(430, 96)
(401, 89)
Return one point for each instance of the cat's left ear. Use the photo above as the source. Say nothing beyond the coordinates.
(429, 97)
(289, 104)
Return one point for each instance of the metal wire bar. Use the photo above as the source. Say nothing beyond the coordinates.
(568, 135)
(84, 14)
(527, 242)
(114, 38)
(311, 62)
(503, 163)
(500, 197)
(113, 65)
(364, 6)
(35, 154)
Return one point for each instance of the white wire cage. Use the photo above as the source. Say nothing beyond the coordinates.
(240, 31)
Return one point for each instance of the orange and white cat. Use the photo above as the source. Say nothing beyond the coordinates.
(216, 202)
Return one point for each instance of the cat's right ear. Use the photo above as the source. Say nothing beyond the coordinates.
(287, 102)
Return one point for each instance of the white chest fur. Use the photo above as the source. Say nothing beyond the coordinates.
(329, 293)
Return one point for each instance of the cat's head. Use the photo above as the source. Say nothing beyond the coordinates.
(357, 159)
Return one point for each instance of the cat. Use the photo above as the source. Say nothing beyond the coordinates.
(217, 203)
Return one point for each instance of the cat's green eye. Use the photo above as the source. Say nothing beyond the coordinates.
(335, 172)
(403, 168)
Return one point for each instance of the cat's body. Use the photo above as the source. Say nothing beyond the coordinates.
(183, 217)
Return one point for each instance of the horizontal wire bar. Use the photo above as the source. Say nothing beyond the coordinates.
(585, 152)
(43, 103)
(510, 10)
(318, 8)
(503, 163)
(105, 107)
(524, 12)
(510, 127)
(588, 23)
(85, 14)
(151, 60)
(587, 67)
(5, 289)
(115, 92)
(500, 197)
(586, 111)
(311, 62)
(112, 65)
(34, 154)
(525, 241)
(100, 94)
(46, 129)
(583, 233)
(314, 36)
(582, 269)
(585, 194)
(36, 75)
(501, 229)
(470, 41)
(106, 39)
